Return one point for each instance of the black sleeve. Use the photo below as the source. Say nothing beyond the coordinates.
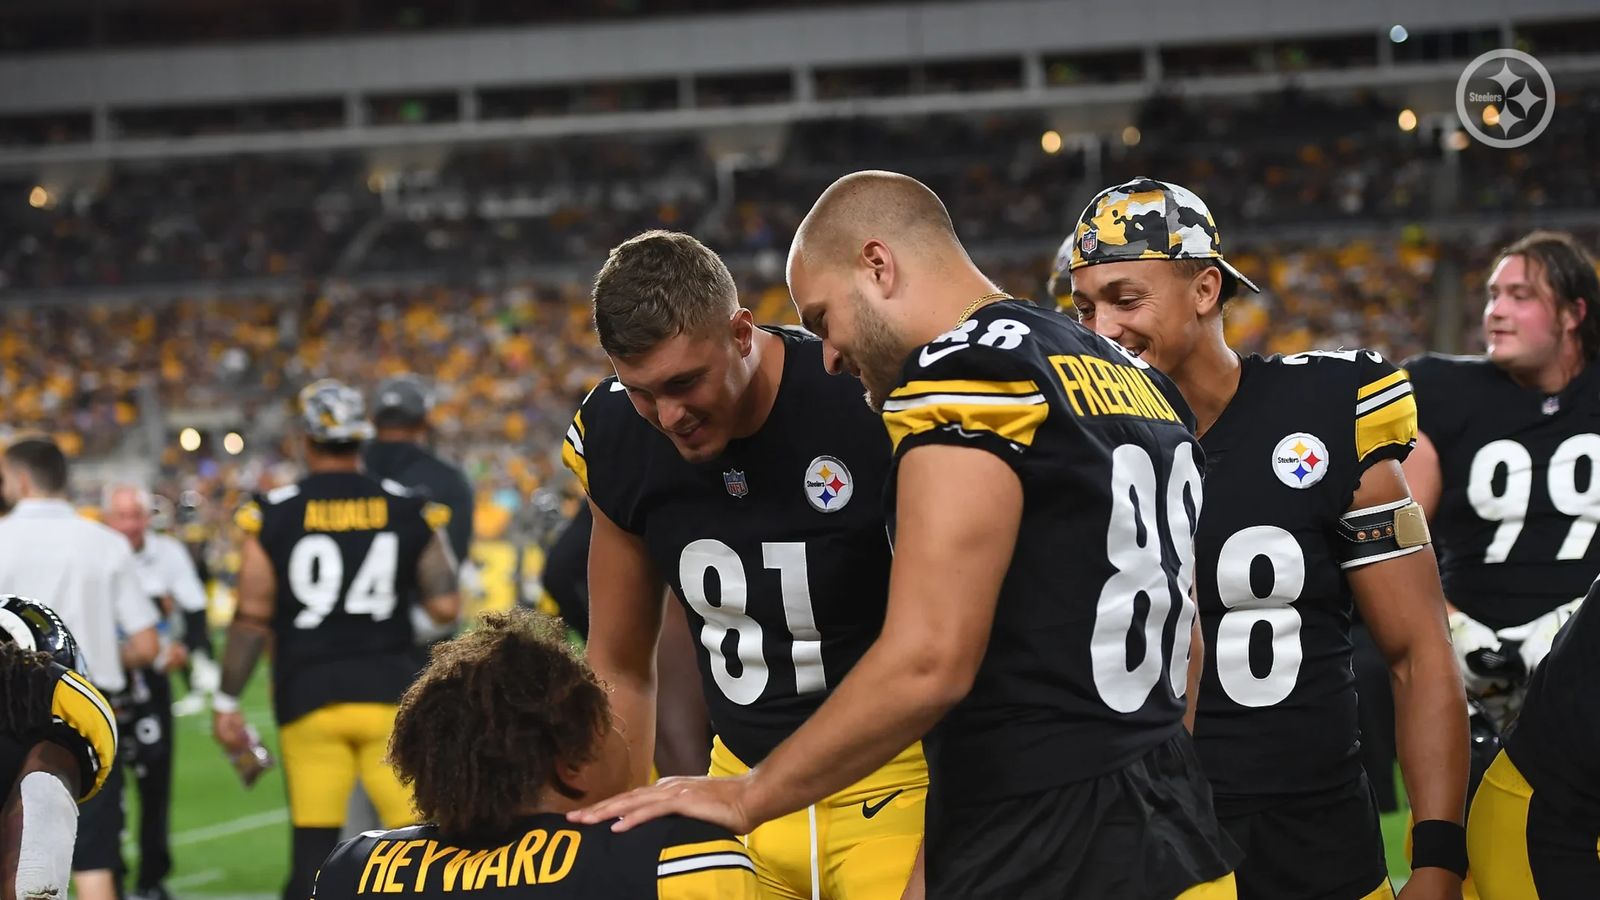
(566, 571)
(458, 496)
(196, 636)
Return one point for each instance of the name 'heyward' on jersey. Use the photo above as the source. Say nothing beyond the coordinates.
(778, 549)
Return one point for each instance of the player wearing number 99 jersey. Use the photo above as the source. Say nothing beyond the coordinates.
(724, 462)
(1306, 509)
(1507, 462)
(345, 574)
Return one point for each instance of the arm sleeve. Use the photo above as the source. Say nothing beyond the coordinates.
(460, 501)
(78, 706)
(703, 862)
(572, 455)
(183, 580)
(970, 396)
(1386, 412)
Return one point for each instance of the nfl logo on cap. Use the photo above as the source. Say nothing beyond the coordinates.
(1090, 241)
(733, 480)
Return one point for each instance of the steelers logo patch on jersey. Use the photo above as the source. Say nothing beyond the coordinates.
(828, 484)
(1300, 460)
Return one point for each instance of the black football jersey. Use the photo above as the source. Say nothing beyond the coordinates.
(344, 548)
(81, 721)
(1088, 659)
(1277, 708)
(778, 549)
(1555, 740)
(1520, 470)
(543, 857)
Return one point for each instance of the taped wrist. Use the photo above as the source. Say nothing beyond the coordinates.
(49, 830)
(1382, 532)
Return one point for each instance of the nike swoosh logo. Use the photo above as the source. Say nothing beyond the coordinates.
(930, 356)
(869, 810)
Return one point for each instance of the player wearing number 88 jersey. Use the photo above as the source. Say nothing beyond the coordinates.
(725, 463)
(1306, 511)
(346, 574)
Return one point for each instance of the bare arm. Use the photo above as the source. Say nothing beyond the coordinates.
(626, 604)
(1403, 605)
(682, 727)
(52, 759)
(436, 581)
(140, 649)
(1423, 476)
(247, 640)
(959, 511)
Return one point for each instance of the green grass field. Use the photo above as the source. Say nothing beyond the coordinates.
(232, 842)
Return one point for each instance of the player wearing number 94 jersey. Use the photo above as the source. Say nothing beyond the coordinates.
(1306, 509)
(1507, 462)
(345, 574)
(725, 462)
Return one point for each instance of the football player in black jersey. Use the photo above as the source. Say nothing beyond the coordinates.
(58, 742)
(345, 574)
(1046, 643)
(506, 731)
(724, 462)
(1500, 465)
(1536, 818)
(1306, 511)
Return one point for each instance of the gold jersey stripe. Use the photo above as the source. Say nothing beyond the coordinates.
(1392, 423)
(1389, 380)
(77, 703)
(572, 459)
(964, 386)
(1014, 420)
(720, 845)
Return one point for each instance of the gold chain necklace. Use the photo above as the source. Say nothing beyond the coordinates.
(986, 298)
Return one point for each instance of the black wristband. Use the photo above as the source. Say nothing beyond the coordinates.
(1438, 844)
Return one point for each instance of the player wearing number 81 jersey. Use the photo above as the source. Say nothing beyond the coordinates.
(346, 574)
(1306, 510)
(724, 462)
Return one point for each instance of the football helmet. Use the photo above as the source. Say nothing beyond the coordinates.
(35, 626)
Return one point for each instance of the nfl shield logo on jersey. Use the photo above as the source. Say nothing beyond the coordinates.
(828, 484)
(1300, 460)
(733, 480)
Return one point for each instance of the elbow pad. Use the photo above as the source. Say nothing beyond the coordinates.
(1382, 532)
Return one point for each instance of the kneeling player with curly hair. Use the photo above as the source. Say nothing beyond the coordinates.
(506, 731)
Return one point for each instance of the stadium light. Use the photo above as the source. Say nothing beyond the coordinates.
(38, 198)
(189, 439)
(1131, 136)
(1457, 141)
(1050, 142)
(1398, 34)
(1408, 120)
(233, 443)
(1491, 115)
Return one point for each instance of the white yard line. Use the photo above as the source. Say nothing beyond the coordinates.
(223, 829)
(195, 879)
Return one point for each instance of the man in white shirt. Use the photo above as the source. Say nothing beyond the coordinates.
(88, 572)
(172, 585)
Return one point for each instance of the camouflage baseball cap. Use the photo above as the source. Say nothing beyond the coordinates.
(334, 413)
(1142, 219)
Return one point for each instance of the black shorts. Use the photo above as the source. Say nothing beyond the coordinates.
(1143, 832)
(99, 843)
(1322, 846)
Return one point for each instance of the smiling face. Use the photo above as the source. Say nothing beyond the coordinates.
(691, 386)
(1523, 326)
(1153, 308)
(856, 337)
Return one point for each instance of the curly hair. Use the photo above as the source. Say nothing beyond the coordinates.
(27, 684)
(480, 734)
